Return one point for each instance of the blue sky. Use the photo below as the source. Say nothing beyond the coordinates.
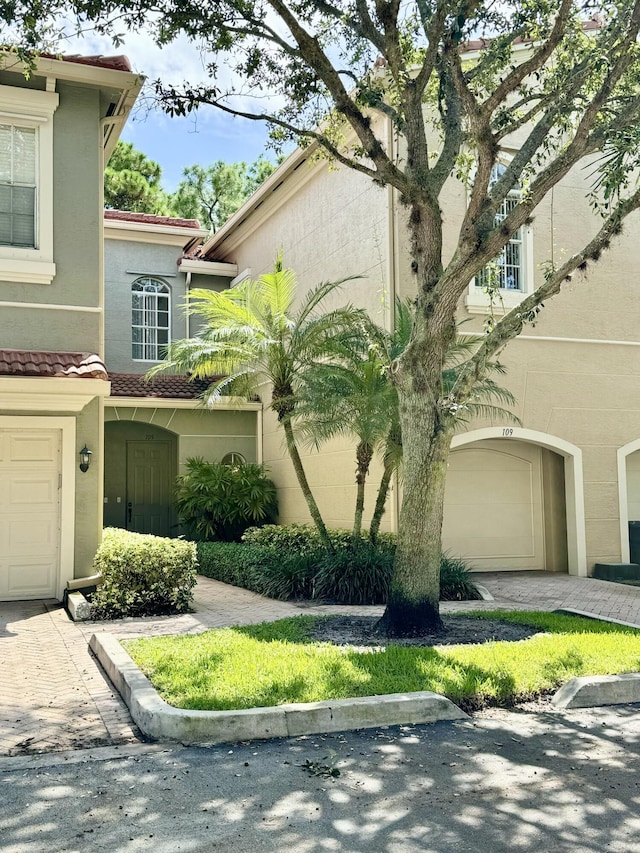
(205, 136)
(209, 135)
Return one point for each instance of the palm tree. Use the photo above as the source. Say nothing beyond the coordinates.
(251, 336)
(350, 394)
(353, 394)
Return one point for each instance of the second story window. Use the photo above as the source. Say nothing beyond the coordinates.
(18, 170)
(506, 272)
(150, 319)
(506, 280)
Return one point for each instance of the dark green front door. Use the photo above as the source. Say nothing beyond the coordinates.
(149, 480)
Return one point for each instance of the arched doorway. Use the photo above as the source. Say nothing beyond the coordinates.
(140, 470)
(514, 500)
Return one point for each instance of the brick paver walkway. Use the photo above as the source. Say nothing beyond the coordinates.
(54, 696)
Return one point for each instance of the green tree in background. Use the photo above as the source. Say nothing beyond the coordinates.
(213, 193)
(210, 194)
(132, 182)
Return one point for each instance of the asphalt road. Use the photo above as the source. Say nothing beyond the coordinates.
(542, 782)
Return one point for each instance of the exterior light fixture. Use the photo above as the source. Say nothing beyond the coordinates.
(85, 459)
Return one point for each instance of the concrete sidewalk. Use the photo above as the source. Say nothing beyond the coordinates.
(54, 696)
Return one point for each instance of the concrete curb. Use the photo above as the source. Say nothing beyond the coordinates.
(159, 720)
(593, 690)
(587, 614)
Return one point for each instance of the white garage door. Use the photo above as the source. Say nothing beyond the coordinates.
(29, 513)
(493, 506)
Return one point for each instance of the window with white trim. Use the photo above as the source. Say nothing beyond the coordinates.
(26, 185)
(18, 185)
(505, 281)
(150, 319)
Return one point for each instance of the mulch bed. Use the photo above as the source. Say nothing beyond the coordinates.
(360, 631)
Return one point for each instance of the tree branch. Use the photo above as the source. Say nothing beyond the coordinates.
(523, 70)
(315, 58)
(511, 325)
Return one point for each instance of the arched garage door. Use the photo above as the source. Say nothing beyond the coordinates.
(505, 506)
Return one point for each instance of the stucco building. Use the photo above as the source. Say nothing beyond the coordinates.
(57, 129)
(555, 493)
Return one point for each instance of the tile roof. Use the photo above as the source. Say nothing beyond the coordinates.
(76, 365)
(166, 387)
(115, 63)
(150, 219)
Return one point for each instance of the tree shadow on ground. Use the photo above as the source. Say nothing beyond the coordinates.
(511, 782)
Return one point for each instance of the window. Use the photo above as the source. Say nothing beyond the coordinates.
(26, 185)
(233, 459)
(17, 186)
(508, 276)
(150, 319)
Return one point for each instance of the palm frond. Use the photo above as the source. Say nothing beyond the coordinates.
(317, 295)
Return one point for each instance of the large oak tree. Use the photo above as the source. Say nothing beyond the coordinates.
(334, 67)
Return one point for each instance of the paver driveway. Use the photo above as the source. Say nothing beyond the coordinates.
(54, 696)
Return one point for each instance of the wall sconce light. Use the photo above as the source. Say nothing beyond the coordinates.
(85, 459)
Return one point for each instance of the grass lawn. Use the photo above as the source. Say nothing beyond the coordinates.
(275, 663)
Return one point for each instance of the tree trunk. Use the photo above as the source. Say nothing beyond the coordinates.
(364, 455)
(381, 500)
(304, 485)
(413, 605)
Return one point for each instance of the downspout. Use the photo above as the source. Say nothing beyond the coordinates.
(187, 320)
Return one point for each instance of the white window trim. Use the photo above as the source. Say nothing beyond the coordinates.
(33, 108)
(478, 302)
(170, 307)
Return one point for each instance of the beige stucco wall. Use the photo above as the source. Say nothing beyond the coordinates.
(579, 387)
(334, 226)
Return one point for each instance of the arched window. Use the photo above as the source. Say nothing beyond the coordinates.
(506, 272)
(150, 319)
(233, 459)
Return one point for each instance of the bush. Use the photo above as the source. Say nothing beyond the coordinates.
(258, 568)
(455, 580)
(304, 538)
(288, 562)
(218, 501)
(143, 575)
(230, 562)
(356, 574)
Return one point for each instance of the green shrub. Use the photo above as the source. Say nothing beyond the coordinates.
(258, 568)
(143, 575)
(288, 562)
(301, 538)
(356, 574)
(292, 577)
(230, 562)
(218, 501)
(304, 538)
(455, 580)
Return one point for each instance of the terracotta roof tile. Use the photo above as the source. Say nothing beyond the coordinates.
(77, 365)
(167, 387)
(115, 63)
(150, 219)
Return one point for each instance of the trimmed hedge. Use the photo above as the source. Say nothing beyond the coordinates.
(143, 575)
(304, 537)
(289, 562)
